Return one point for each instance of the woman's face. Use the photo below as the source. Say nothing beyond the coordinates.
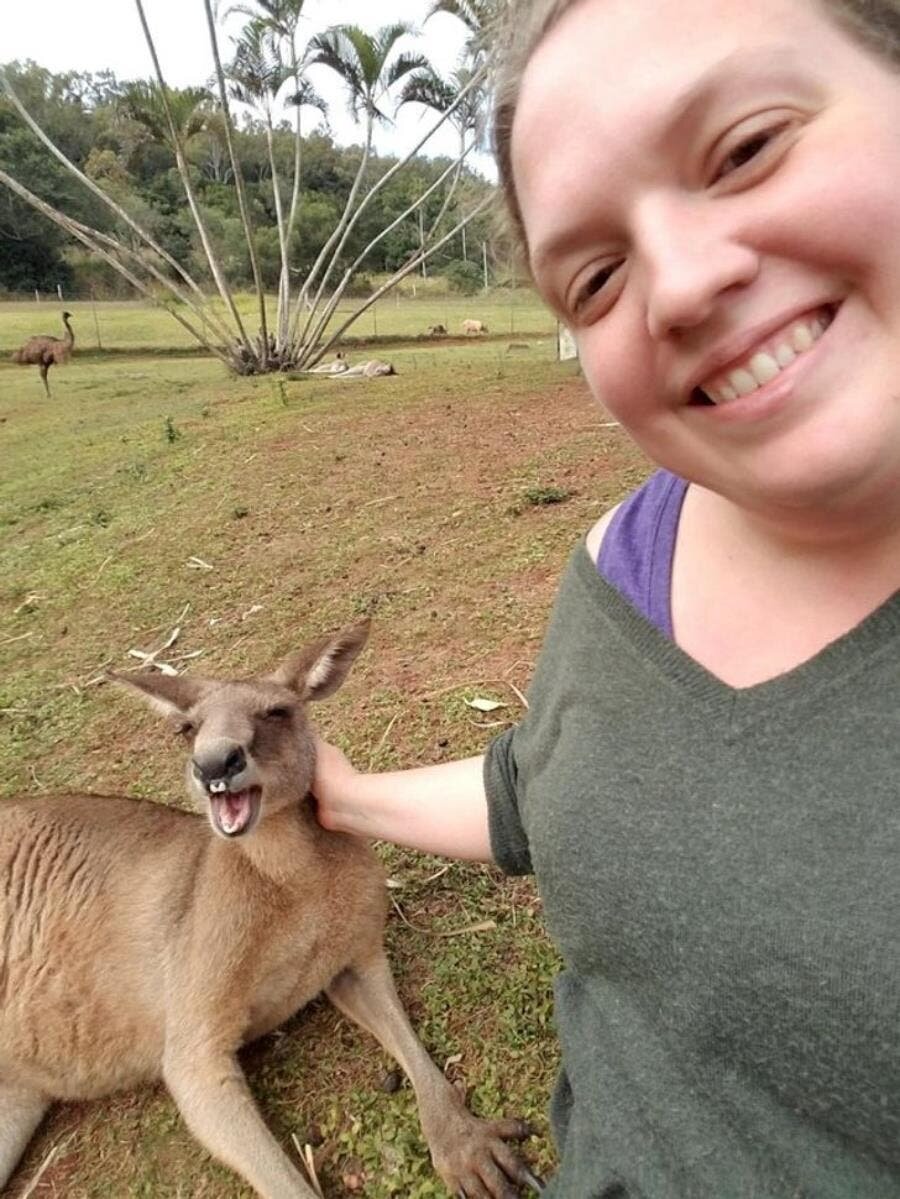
(710, 194)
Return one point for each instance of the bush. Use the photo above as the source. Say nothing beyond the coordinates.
(464, 277)
(360, 287)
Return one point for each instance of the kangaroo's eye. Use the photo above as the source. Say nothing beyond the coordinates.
(277, 713)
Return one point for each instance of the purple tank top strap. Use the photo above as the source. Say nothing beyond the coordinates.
(639, 545)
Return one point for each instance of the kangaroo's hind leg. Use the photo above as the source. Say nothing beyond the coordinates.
(21, 1111)
(471, 1155)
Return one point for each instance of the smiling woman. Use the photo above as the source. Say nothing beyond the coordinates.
(704, 785)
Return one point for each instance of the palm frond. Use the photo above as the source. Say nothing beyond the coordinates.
(307, 96)
(402, 65)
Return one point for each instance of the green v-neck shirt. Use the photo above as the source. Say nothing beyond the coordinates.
(720, 871)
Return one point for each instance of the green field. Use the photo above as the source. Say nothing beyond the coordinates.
(140, 326)
(156, 492)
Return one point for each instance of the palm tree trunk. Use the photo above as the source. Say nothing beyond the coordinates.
(338, 292)
(239, 186)
(281, 317)
(115, 208)
(93, 240)
(285, 281)
(405, 270)
(347, 222)
(463, 153)
(343, 224)
(181, 163)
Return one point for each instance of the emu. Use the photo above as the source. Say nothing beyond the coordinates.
(140, 941)
(45, 351)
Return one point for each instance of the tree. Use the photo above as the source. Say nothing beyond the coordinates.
(462, 98)
(256, 75)
(481, 18)
(371, 65)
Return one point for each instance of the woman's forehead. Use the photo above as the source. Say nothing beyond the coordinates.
(615, 51)
(611, 79)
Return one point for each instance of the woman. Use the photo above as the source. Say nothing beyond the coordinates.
(705, 785)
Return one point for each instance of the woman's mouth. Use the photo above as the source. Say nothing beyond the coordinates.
(766, 361)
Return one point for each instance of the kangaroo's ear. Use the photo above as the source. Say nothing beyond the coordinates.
(173, 695)
(317, 670)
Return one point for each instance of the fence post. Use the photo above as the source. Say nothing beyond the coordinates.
(96, 322)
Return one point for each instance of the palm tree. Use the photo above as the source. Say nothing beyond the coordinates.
(363, 61)
(111, 248)
(172, 116)
(256, 76)
(462, 96)
(181, 163)
(479, 16)
(189, 109)
(369, 66)
(282, 18)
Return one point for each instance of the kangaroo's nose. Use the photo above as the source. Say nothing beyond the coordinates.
(219, 765)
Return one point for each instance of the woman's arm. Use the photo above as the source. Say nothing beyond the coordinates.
(438, 809)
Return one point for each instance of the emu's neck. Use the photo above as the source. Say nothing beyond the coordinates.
(70, 335)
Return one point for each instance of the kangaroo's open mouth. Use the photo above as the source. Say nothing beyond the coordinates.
(234, 813)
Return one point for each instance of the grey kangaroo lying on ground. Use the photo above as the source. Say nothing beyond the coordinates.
(138, 943)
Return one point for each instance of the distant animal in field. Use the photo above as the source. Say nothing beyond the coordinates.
(139, 941)
(437, 330)
(471, 327)
(337, 366)
(44, 351)
(372, 369)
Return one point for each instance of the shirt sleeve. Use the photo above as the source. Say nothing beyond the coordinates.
(509, 841)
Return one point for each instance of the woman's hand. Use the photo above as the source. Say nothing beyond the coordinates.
(335, 784)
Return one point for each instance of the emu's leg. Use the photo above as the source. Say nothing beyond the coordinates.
(21, 1111)
(212, 1095)
(45, 367)
(471, 1155)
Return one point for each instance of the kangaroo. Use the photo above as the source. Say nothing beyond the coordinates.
(139, 941)
(337, 366)
(374, 368)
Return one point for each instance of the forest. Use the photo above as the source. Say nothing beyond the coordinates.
(111, 130)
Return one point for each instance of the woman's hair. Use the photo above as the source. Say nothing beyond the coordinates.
(875, 24)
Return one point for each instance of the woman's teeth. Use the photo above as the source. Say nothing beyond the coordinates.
(768, 361)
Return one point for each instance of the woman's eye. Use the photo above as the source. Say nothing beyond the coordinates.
(185, 729)
(749, 149)
(745, 152)
(595, 284)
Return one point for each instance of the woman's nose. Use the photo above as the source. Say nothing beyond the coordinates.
(690, 259)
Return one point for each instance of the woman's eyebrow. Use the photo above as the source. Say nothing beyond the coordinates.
(739, 74)
(742, 71)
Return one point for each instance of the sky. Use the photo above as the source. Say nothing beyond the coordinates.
(99, 34)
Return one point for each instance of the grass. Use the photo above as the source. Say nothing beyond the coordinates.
(138, 327)
(156, 491)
